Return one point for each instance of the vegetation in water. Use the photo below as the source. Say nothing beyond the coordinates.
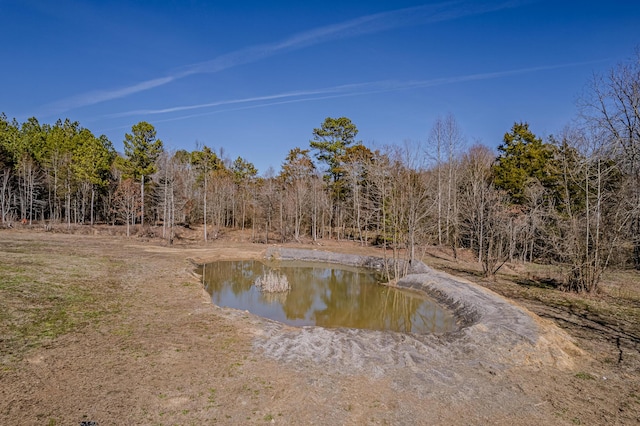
(273, 282)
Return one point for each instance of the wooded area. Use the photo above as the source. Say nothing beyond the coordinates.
(573, 199)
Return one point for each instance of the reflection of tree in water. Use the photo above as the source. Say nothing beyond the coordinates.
(237, 276)
(274, 297)
(350, 300)
(406, 311)
(330, 297)
(355, 300)
(399, 310)
(304, 290)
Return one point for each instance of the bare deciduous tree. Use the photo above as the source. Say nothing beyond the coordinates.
(613, 105)
(127, 202)
(446, 140)
(485, 219)
(588, 224)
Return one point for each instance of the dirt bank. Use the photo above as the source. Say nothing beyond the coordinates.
(493, 331)
(119, 331)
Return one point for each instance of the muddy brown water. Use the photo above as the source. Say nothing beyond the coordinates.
(326, 295)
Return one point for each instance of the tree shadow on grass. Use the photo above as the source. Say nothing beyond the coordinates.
(544, 283)
(588, 326)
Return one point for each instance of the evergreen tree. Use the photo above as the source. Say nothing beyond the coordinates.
(331, 141)
(92, 160)
(142, 150)
(523, 158)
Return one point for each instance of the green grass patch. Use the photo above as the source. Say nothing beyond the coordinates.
(212, 396)
(47, 291)
(585, 376)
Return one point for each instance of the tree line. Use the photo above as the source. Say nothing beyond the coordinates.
(572, 199)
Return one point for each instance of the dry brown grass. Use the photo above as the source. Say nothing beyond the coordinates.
(118, 333)
(272, 282)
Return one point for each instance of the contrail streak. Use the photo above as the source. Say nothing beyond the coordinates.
(356, 27)
(356, 89)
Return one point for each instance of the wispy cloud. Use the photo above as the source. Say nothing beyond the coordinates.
(346, 90)
(97, 96)
(293, 94)
(368, 24)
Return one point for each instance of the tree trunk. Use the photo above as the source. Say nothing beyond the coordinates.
(205, 207)
(142, 200)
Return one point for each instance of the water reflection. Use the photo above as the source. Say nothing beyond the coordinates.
(325, 295)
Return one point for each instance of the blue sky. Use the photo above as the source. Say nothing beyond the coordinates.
(255, 77)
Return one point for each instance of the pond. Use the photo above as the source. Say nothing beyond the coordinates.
(326, 295)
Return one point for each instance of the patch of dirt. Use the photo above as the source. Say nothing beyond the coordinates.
(142, 344)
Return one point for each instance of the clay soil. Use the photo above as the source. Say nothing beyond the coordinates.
(97, 328)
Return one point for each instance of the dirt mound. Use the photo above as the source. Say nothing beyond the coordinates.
(492, 330)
